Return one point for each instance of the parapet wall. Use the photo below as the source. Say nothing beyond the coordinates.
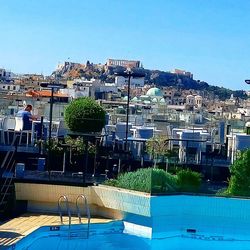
(104, 201)
(180, 213)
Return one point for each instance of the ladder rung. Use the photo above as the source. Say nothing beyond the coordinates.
(87, 210)
(64, 197)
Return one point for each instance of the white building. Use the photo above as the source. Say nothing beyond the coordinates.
(121, 81)
(79, 91)
(9, 87)
(190, 100)
(198, 101)
(182, 72)
(191, 117)
(192, 143)
(5, 75)
(237, 142)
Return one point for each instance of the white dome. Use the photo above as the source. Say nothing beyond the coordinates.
(154, 92)
(247, 124)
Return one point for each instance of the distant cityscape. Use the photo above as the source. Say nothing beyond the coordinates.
(167, 108)
(100, 82)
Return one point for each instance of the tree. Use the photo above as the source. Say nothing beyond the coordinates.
(239, 183)
(158, 148)
(85, 115)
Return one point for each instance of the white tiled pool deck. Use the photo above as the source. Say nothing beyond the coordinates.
(17, 228)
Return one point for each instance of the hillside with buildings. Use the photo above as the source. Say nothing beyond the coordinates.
(179, 79)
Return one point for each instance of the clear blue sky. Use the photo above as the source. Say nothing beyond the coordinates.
(210, 38)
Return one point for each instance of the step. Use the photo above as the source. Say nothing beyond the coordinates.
(32, 158)
(6, 194)
(3, 203)
(7, 186)
(4, 189)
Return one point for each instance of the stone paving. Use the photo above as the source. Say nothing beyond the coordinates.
(15, 229)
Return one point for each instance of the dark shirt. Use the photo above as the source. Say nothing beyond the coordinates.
(27, 122)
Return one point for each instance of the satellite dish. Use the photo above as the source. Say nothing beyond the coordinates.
(24, 103)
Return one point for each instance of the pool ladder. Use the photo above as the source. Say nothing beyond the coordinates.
(65, 198)
(87, 210)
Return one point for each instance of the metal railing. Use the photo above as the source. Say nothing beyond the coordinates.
(7, 166)
(87, 210)
(64, 197)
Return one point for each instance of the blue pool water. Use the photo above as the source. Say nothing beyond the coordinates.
(115, 236)
(166, 222)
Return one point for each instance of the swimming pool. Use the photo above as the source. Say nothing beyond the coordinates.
(119, 236)
(173, 222)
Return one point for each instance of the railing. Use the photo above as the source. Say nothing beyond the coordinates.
(64, 197)
(8, 166)
(14, 141)
(87, 210)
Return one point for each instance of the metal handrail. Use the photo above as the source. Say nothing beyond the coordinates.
(87, 210)
(10, 151)
(8, 180)
(64, 197)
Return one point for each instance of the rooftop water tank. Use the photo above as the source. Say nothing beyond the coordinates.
(176, 135)
(145, 133)
(19, 171)
(107, 118)
(222, 132)
(242, 142)
(190, 139)
(120, 131)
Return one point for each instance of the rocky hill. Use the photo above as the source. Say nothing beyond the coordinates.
(154, 77)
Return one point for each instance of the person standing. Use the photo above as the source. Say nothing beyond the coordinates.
(27, 117)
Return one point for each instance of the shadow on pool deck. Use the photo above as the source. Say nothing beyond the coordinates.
(7, 238)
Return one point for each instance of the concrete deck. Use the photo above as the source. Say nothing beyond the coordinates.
(15, 229)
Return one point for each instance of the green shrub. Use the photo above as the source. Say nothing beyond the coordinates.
(111, 182)
(139, 180)
(145, 180)
(85, 115)
(162, 182)
(78, 145)
(54, 147)
(222, 192)
(188, 181)
(239, 183)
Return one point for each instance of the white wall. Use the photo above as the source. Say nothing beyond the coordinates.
(5, 74)
(120, 81)
(75, 93)
(9, 87)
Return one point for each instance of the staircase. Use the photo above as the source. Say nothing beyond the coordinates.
(6, 181)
